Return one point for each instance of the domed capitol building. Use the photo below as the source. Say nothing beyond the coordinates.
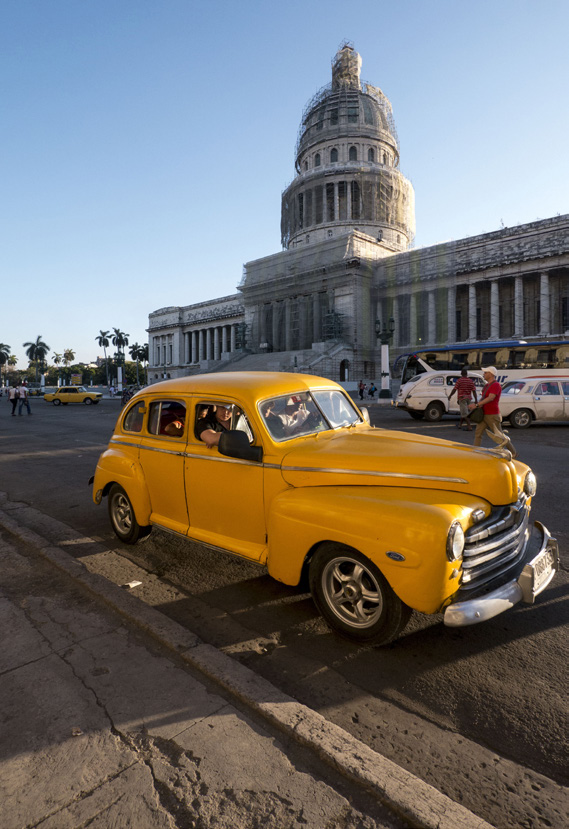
(348, 267)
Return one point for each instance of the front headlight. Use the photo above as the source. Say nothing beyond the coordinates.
(530, 484)
(455, 541)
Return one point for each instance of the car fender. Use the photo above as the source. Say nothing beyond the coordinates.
(413, 524)
(116, 467)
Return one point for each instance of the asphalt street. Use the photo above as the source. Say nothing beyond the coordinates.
(479, 713)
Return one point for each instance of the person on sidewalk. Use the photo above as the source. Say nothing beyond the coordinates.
(14, 397)
(361, 389)
(24, 399)
(492, 420)
(464, 387)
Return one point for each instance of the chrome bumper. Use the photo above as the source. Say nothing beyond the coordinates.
(523, 588)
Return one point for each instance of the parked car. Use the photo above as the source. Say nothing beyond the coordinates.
(380, 522)
(535, 398)
(426, 395)
(72, 394)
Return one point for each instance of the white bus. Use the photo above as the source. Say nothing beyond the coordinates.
(513, 359)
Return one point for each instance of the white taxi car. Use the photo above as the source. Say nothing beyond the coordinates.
(426, 395)
(535, 398)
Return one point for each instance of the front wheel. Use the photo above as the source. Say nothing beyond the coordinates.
(520, 419)
(354, 597)
(122, 517)
(434, 412)
(87, 401)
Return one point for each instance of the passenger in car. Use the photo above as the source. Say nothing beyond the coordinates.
(209, 429)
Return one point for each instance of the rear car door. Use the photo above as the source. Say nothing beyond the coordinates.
(162, 450)
(548, 400)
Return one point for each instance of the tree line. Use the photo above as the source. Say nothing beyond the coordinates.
(37, 353)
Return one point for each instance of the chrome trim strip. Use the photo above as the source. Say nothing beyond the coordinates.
(373, 474)
(332, 471)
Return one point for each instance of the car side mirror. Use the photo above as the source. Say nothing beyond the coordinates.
(365, 414)
(235, 444)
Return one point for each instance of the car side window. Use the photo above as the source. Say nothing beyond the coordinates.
(547, 388)
(167, 418)
(565, 388)
(134, 418)
(205, 414)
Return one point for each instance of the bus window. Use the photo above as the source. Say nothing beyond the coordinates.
(517, 358)
(488, 358)
(459, 360)
(546, 357)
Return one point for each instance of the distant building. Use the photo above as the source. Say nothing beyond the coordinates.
(347, 227)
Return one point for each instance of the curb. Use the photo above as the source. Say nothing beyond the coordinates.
(409, 797)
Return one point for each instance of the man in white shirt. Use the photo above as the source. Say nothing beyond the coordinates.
(24, 400)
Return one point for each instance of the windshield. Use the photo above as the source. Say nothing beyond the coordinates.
(308, 412)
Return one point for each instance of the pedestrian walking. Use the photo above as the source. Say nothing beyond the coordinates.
(491, 422)
(14, 396)
(24, 399)
(372, 390)
(361, 389)
(464, 387)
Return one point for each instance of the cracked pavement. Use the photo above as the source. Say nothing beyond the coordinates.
(101, 727)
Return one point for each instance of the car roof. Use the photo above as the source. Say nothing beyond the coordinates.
(252, 384)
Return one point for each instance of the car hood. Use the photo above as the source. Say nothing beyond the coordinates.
(378, 457)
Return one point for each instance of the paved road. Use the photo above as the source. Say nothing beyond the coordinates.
(479, 713)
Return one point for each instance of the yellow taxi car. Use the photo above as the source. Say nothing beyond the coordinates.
(286, 471)
(72, 394)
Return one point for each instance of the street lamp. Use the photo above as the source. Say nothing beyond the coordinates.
(385, 334)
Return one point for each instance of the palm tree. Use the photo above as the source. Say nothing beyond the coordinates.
(135, 350)
(4, 357)
(68, 356)
(103, 341)
(57, 358)
(143, 355)
(36, 352)
(120, 340)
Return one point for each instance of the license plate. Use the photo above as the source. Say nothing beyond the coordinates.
(537, 574)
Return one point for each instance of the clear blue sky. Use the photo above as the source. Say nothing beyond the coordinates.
(146, 143)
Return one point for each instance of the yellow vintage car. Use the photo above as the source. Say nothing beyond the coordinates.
(72, 394)
(285, 470)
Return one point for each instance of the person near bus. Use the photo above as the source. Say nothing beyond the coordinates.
(490, 405)
(465, 388)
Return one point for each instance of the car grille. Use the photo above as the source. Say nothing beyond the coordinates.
(494, 548)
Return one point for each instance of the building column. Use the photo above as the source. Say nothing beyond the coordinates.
(232, 338)
(349, 200)
(451, 314)
(431, 318)
(395, 315)
(223, 339)
(494, 310)
(413, 318)
(262, 324)
(518, 307)
(195, 347)
(216, 344)
(288, 318)
(303, 321)
(544, 305)
(336, 203)
(472, 312)
(316, 328)
(208, 344)
(202, 333)
(275, 326)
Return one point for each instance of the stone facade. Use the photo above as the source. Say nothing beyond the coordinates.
(347, 223)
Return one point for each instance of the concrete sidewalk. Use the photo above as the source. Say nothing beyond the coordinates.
(112, 715)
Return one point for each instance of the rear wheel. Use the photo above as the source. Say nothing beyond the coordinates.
(354, 597)
(521, 419)
(122, 517)
(434, 412)
(56, 402)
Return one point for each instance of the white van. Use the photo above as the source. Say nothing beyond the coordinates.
(426, 395)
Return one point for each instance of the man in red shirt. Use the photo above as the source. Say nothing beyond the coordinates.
(465, 387)
(492, 420)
